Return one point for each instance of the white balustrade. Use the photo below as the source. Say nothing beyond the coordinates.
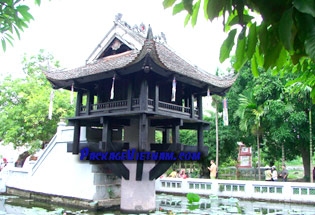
(279, 191)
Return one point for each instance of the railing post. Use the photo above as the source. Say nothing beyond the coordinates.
(192, 107)
(199, 106)
(143, 100)
(129, 97)
(156, 98)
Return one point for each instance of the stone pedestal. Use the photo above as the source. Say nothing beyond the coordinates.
(138, 196)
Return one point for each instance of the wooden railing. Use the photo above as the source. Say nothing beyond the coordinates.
(109, 105)
(122, 105)
(173, 107)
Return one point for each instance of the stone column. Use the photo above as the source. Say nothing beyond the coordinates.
(137, 196)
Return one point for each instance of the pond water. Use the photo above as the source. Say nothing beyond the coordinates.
(166, 204)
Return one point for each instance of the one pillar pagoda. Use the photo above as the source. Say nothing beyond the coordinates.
(132, 86)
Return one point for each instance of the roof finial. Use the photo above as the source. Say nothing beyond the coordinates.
(118, 17)
(150, 33)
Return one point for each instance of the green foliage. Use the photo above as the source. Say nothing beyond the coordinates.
(192, 197)
(24, 105)
(268, 33)
(227, 46)
(188, 137)
(14, 18)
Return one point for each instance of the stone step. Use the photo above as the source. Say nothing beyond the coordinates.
(103, 192)
(103, 179)
(109, 203)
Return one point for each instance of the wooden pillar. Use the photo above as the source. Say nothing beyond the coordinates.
(199, 106)
(89, 101)
(175, 133)
(76, 137)
(186, 102)
(192, 106)
(143, 132)
(106, 133)
(200, 137)
(143, 100)
(129, 97)
(156, 98)
(79, 103)
(165, 135)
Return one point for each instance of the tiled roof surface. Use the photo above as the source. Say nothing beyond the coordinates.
(158, 52)
(105, 64)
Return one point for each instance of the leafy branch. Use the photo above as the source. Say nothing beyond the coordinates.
(14, 19)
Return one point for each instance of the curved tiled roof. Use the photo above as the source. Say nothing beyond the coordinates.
(105, 64)
(158, 52)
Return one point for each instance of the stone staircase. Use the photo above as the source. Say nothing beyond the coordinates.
(107, 186)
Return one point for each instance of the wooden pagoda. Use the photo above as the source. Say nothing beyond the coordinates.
(132, 86)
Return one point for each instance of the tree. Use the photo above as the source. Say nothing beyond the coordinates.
(250, 114)
(14, 18)
(24, 104)
(267, 33)
(305, 94)
(285, 119)
(286, 27)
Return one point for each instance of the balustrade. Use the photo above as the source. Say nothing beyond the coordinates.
(260, 190)
(121, 105)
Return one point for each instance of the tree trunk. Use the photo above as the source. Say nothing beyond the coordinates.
(282, 152)
(216, 136)
(306, 162)
(311, 142)
(258, 148)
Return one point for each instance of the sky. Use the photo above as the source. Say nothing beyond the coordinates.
(71, 29)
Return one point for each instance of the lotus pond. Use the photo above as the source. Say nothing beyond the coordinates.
(166, 204)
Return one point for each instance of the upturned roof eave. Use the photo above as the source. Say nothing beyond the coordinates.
(159, 53)
(205, 77)
(149, 49)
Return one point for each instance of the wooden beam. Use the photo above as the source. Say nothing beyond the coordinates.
(79, 103)
(200, 137)
(106, 133)
(165, 147)
(175, 134)
(143, 132)
(159, 169)
(166, 122)
(165, 135)
(163, 165)
(194, 126)
(76, 137)
(139, 170)
(119, 169)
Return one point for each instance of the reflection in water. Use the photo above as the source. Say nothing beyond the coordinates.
(166, 204)
(214, 205)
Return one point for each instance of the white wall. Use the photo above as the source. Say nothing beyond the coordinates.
(56, 171)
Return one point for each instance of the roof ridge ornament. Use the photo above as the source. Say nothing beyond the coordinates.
(141, 29)
(118, 17)
(150, 33)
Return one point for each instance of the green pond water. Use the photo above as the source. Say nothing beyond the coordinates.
(165, 204)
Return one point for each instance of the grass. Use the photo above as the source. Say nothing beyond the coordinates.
(296, 162)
